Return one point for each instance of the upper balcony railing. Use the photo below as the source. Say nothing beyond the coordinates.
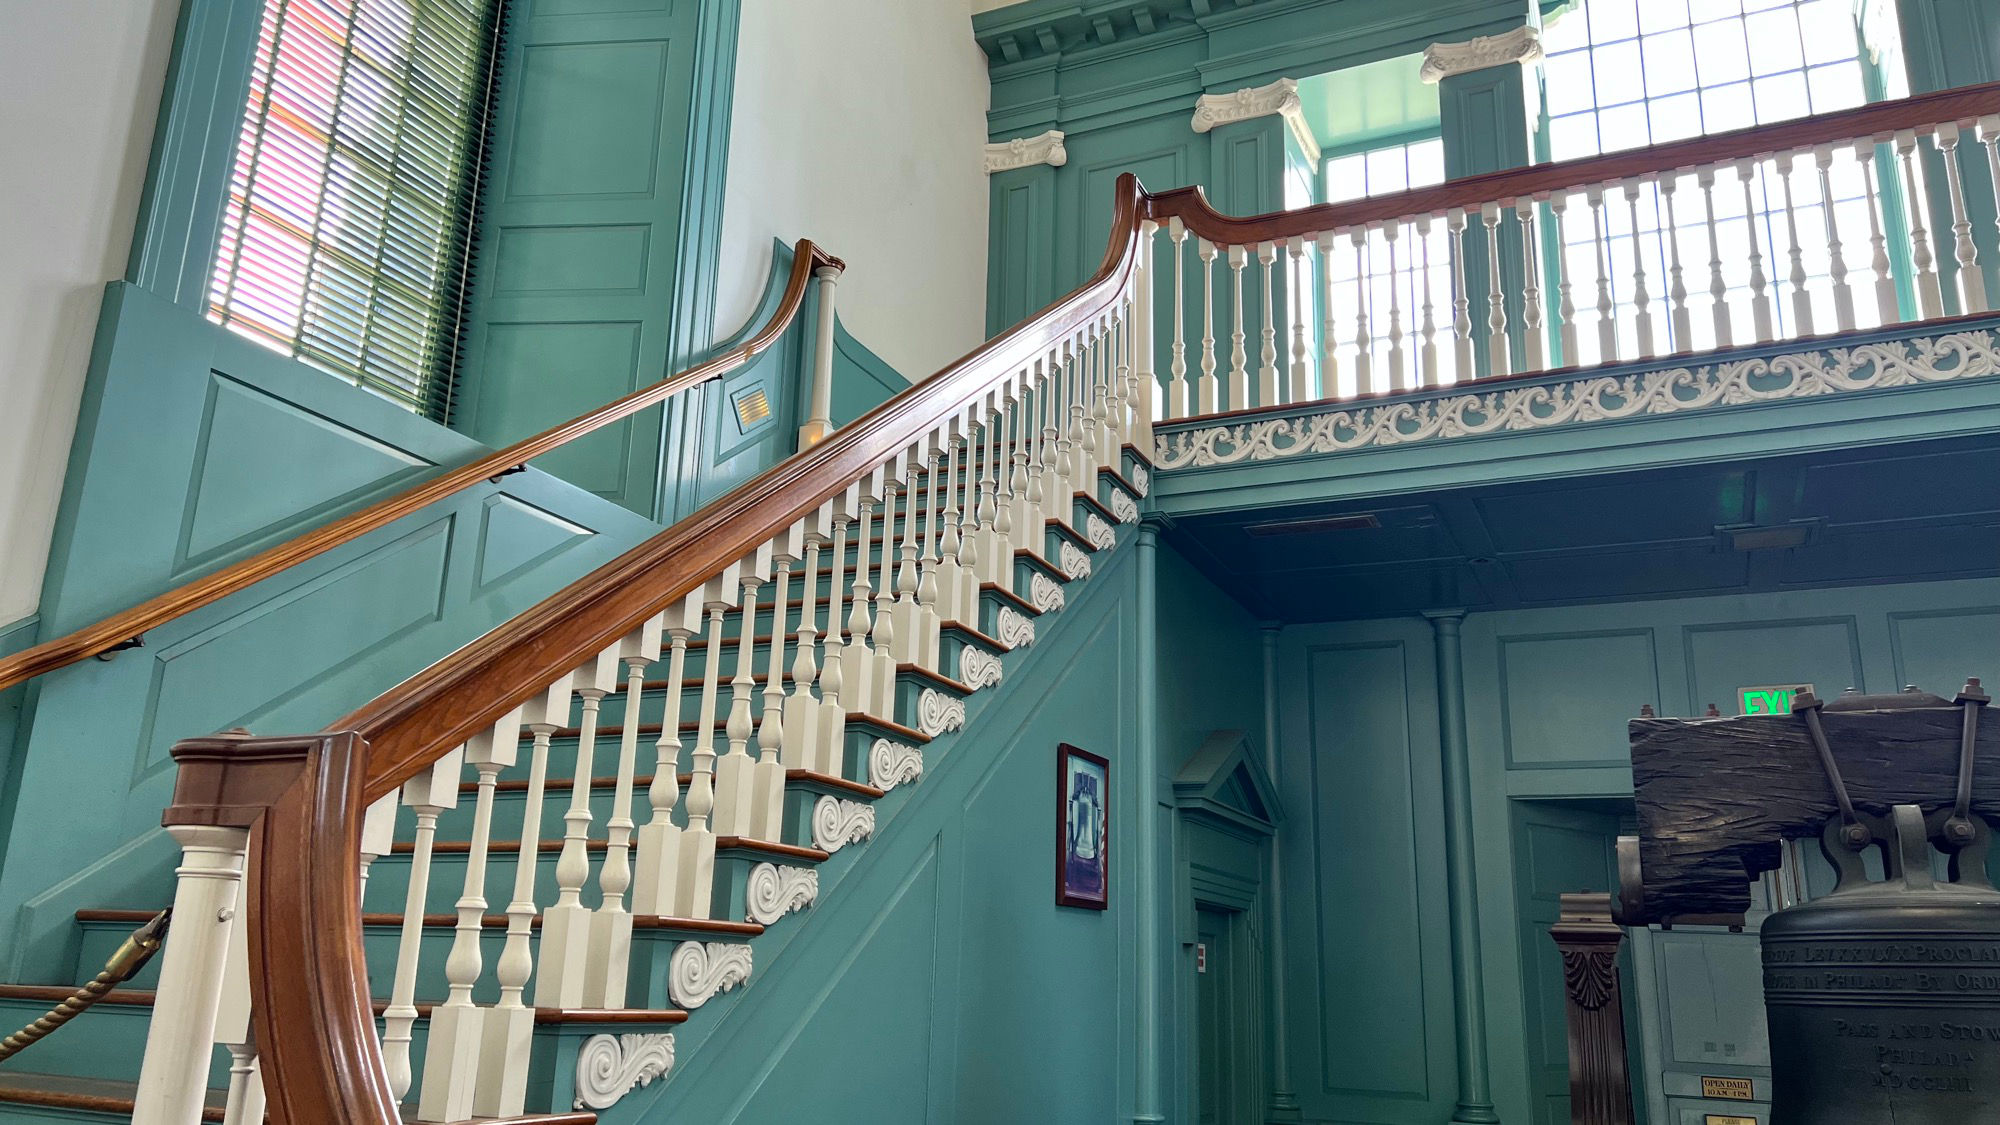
(1775, 233)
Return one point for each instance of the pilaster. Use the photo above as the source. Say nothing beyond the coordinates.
(1484, 120)
(1149, 1099)
(1283, 1107)
(1475, 1095)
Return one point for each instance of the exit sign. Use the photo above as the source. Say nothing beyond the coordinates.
(1769, 700)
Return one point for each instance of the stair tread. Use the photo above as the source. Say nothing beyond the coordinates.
(1094, 504)
(690, 727)
(1010, 597)
(641, 782)
(766, 847)
(93, 1095)
(144, 997)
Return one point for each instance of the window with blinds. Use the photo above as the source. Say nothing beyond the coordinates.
(344, 241)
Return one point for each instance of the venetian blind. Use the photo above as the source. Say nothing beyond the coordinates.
(344, 241)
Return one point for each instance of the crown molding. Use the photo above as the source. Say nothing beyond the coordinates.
(1026, 152)
(1280, 98)
(1445, 60)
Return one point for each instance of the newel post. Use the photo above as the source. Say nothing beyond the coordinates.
(1600, 1089)
(819, 420)
(173, 1078)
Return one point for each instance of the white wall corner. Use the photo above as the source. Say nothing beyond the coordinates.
(1280, 98)
(1522, 45)
(1026, 152)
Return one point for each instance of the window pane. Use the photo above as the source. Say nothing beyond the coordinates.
(1703, 10)
(1617, 72)
(1566, 32)
(1781, 97)
(1669, 63)
(1573, 137)
(1624, 127)
(1661, 15)
(1567, 80)
(1676, 117)
(1612, 19)
(1427, 162)
(1720, 53)
(1829, 31)
(1836, 87)
(1346, 177)
(1776, 34)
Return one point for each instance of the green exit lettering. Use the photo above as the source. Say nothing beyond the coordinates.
(1768, 700)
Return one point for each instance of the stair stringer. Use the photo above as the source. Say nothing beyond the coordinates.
(745, 1057)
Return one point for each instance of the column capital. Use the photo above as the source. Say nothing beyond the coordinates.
(1026, 152)
(1445, 620)
(1280, 98)
(1447, 60)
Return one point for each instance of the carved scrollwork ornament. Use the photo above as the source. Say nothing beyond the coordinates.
(893, 763)
(609, 1066)
(1075, 562)
(1124, 507)
(978, 668)
(1016, 629)
(1101, 534)
(772, 891)
(838, 822)
(938, 712)
(1142, 479)
(1591, 976)
(1044, 593)
(700, 969)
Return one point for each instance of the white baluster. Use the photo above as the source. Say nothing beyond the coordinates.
(1329, 338)
(801, 719)
(831, 722)
(1364, 345)
(1760, 297)
(1427, 351)
(427, 795)
(1600, 245)
(1802, 318)
(1208, 391)
(1680, 323)
(1843, 293)
(1718, 289)
(1267, 367)
(1145, 393)
(457, 1029)
(1499, 353)
(735, 785)
(1641, 300)
(1239, 356)
(1565, 296)
(951, 543)
(501, 1087)
(173, 1078)
(611, 928)
(1971, 281)
(656, 884)
(767, 810)
(1531, 287)
(1887, 303)
(563, 960)
(235, 1029)
(1297, 248)
(1989, 137)
(882, 674)
(1461, 302)
(1177, 393)
(695, 883)
(378, 838)
(1062, 485)
(1397, 377)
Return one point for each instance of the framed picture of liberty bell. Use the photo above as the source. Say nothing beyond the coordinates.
(1883, 996)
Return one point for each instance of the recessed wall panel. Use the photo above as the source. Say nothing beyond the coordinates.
(589, 119)
(537, 373)
(537, 261)
(1825, 653)
(1565, 698)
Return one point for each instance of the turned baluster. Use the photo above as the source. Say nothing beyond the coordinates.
(1971, 282)
(1600, 246)
(427, 795)
(378, 836)
(1267, 366)
(1531, 287)
(656, 888)
(1930, 297)
(1208, 391)
(1802, 318)
(1427, 351)
(1239, 356)
(1461, 303)
(1843, 293)
(951, 544)
(1989, 138)
(1565, 292)
(1887, 303)
(1364, 345)
(767, 810)
(695, 884)
(857, 657)
(1680, 323)
(882, 674)
(1499, 353)
(456, 1030)
(930, 586)
(800, 748)
(735, 773)
(1297, 249)
(1718, 289)
(1177, 392)
(1641, 300)
(1329, 339)
(611, 927)
(1396, 377)
(1760, 297)
(563, 959)
(501, 1088)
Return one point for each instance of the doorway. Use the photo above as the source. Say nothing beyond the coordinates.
(1225, 1068)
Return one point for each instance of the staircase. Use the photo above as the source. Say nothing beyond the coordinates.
(681, 789)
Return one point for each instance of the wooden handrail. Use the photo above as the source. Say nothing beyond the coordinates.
(119, 628)
(1879, 120)
(302, 797)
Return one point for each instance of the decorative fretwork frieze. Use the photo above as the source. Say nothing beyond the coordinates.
(1584, 401)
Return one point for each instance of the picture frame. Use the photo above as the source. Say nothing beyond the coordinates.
(1083, 829)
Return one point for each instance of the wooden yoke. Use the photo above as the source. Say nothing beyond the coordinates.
(1717, 797)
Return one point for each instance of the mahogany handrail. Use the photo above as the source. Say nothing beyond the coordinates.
(122, 627)
(1878, 120)
(301, 797)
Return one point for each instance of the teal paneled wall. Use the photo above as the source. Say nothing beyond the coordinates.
(13, 710)
(1548, 696)
(936, 979)
(195, 448)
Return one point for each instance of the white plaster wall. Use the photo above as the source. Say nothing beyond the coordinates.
(80, 86)
(860, 124)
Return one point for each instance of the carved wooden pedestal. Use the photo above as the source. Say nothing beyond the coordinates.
(1600, 1089)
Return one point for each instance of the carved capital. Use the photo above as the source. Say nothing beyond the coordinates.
(1444, 60)
(1280, 98)
(1026, 152)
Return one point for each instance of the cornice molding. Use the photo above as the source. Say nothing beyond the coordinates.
(1026, 152)
(1280, 98)
(1445, 60)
